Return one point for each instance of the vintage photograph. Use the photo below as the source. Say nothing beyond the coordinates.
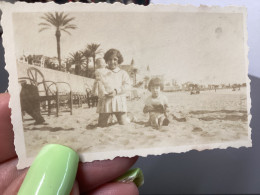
(139, 81)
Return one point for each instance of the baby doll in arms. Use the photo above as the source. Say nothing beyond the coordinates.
(103, 84)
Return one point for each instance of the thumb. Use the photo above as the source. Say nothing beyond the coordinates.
(52, 172)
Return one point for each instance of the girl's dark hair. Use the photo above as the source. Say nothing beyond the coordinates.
(112, 52)
(155, 82)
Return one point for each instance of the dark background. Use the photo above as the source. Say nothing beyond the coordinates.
(230, 171)
(211, 171)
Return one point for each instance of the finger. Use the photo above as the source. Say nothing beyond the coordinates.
(7, 149)
(116, 189)
(15, 181)
(91, 175)
(53, 171)
(14, 186)
(75, 189)
(9, 173)
(12, 179)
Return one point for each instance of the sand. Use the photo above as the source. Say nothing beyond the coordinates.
(209, 117)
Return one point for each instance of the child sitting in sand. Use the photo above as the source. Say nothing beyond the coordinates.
(103, 83)
(156, 104)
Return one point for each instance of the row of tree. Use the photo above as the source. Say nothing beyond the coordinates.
(81, 59)
(63, 23)
(76, 63)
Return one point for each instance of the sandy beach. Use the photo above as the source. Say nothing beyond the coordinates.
(209, 117)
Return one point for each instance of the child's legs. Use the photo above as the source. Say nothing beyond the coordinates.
(160, 120)
(121, 117)
(154, 119)
(102, 119)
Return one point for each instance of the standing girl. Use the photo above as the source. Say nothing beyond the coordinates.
(114, 101)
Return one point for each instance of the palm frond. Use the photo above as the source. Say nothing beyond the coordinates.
(87, 53)
(57, 20)
(44, 28)
(66, 21)
(77, 58)
(99, 51)
(46, 19)
(65, 16)
(61, 18)
(44, 24)
(93, 48)
(49, 18)
(65, 31)
(71, 26)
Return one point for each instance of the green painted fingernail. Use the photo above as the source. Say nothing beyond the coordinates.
(133, 175)
(52, 172)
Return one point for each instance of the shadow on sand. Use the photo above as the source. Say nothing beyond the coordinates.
(45, 127)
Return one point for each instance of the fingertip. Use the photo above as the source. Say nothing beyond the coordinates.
(15, 185)
(116, 188)
(7, 149)
(53, 171)
(75, 189)
(91, 175)
(4, 108)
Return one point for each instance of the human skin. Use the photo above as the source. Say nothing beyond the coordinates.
(92, 178)
(155, 90)
(112, 62)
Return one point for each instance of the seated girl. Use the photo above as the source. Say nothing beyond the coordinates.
(156, 104)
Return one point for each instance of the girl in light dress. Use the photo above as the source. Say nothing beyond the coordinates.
(113, 100)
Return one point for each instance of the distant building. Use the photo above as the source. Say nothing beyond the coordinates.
(23, 59)
(186, 86)
(130, 70)
(139, 75)
(42, 61)
(171, 85)
(133, 71)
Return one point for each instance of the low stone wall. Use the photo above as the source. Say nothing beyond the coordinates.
(78, 84)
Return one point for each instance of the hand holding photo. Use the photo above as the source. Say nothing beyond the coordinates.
(115, 80)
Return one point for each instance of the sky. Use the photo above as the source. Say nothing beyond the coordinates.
(204, 48)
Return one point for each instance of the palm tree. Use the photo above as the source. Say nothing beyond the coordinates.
(93, 49)
(78, 59)
(87, 54)
(134, 72)
(61, 22)
(68, 64)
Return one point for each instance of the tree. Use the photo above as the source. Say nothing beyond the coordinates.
(61, 22)
(134, 72)
(78, 59)
(94, 51)
(146, 80)
(49, 64)
(34, 59)
(68, 64)
(132, 62)
(87, 54)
